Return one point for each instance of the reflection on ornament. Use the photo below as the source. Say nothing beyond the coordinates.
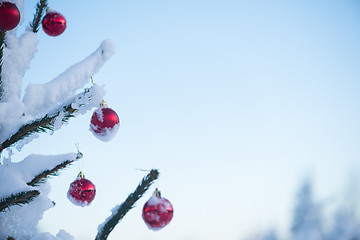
(157, 212)
(81, 191)
(53, 23)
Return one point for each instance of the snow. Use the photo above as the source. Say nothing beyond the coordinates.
(16, 60)
(114, 210)
(40, 98)
(62, 235)
(106, 134)
(21, 221)
(77, 202)
(155, 200)
(17, 57)
(14, 176)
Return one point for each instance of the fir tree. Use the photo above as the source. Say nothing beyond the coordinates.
(307, 220)
(44, 108)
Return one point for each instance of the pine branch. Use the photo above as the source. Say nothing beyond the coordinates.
(40, 125)
(10, 238)
(18, 199)
(40, 178)
(111, 222)
(40, 6)
(47, 123)
(2, 41)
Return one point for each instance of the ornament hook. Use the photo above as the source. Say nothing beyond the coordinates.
(79, 154)
(103, 103)
(92, 80)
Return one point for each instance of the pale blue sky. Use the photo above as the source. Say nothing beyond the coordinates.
(234, 101)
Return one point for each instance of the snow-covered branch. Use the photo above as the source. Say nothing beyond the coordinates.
(40, 98)
(40, 6)
(18, 177)
(36, 112)
(17, 199)
(41, 177)
(120, 211)
(34, 170)
(84, 101)
(16, 60)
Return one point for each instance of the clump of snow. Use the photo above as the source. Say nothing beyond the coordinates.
(39, 98)
(99, 114)
(21, 143)
(106, 134)
(35, 163)
(11, 118)
(156, 200)
(77, 202)
(20, 221)
(62, 235)
(89, 99)
(16, 60)
(7, 160)
(14, 176)
(114, 211)
(108, 47)
(58, 121)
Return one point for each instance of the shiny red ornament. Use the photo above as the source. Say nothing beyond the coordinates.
(157, 212)
(9, 16)
(81, 191)
(104, 123)
(53, 23)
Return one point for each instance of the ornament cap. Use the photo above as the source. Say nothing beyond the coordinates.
(157, 193)
(103, 104)
(81, 175)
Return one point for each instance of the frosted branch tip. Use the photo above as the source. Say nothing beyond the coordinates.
(108, 48)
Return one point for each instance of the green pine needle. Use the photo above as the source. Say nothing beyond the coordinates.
(18, 199)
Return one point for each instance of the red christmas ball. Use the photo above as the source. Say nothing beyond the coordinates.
(53, 23)
(9, 16)
(104, 123)
(157, 212)
(81, 191)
